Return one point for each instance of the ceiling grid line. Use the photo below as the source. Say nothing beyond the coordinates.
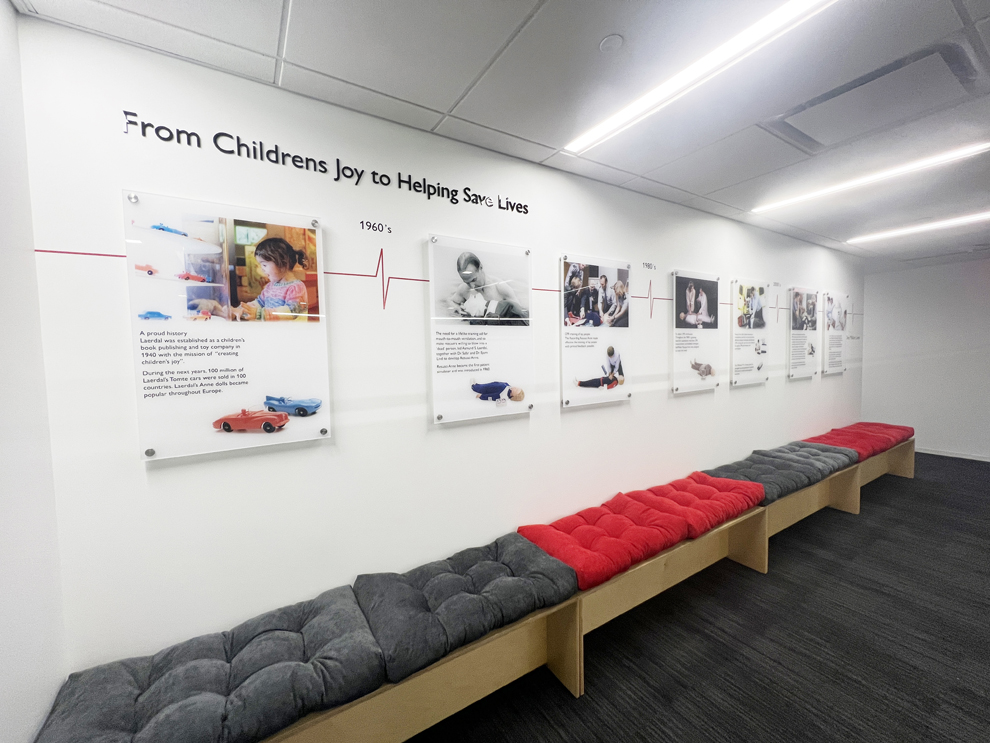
(283, 31)
(512, 37)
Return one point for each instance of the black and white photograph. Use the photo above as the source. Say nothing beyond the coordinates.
(695, 303)
(595, 296)
(480, 287)
(804, 310)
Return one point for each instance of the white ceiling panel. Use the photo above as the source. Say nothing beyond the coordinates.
(712, 207)
(736, 158)
(977, 8)
(588, 169)
(984, 29)
(973, 238)
(658, 190)
(847, 40)
(965, 124)
(350, 96)
(553, 82)
(490, 139)
(136, 29)
(254, 25)
(902, 94)
(427, 52)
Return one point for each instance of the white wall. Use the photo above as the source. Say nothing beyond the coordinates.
(154, 553)
(31, 668)
(927, 357)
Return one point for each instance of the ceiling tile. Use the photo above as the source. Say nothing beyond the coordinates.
(845, 41)
(984, 29)
(658, 190)
(490, 139)
(902, 94)
(111, 21)
(736, 158)
(553, 82)
(588, 169)
(254, 26)
(977, 8)
(351, 96)
(424, 52)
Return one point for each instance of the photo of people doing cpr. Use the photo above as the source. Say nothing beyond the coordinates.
(595, 296)
(695, 303)
(481, 287)
(612, 373)
(750, 302)
(804, 310)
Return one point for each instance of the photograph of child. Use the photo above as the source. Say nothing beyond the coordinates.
(481, 288)
(695, 303)
(804, 310)
(273, 276)
(750, 302)
(592, 298)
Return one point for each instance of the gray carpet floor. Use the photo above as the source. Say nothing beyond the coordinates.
(867, 628)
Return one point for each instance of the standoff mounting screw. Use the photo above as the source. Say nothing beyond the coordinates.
(323, 432)
(629, 394)
(567, 402)
(531, 406)
(149, 452)
(433, 239)
(132, 197)
(439, 417)
(527, 252)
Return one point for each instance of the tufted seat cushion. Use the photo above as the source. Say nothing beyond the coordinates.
(867, 439)
(231, 687)
(631, 527)
(420, 616)
(788, 468)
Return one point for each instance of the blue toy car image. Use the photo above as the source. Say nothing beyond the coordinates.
(163, 228)
(302, 408)
(153, 315)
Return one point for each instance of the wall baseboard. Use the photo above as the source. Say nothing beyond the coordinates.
(956, 454)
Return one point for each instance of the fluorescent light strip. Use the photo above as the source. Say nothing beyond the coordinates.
(928, 227)
(912, 167)
(783, 19)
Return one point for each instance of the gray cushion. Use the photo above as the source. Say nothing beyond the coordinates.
(422, 615)
(786, 469)
(231, 687)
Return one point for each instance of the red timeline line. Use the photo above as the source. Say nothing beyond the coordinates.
(379, 270)
(70, 252)
(649, 296)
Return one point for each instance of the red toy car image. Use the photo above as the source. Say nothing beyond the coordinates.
(186, 276)
(252, 420)
(146, 267)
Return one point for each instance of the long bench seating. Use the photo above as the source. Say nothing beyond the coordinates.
(421, 616)
(789, 468)
(867, 439)
(229, 687)
(631, 527)
(397, 653)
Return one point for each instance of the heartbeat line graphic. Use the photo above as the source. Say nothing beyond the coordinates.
(649, 296)
(71, 252)
(379, 270)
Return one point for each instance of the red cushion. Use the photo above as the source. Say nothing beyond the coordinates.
(867, 439)
(604, 541)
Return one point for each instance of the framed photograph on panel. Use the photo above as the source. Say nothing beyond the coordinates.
(695, 347)
(751, 339)
(480, 334)
(230, 342)
(803, 346)
(594, 338)
(835, 315)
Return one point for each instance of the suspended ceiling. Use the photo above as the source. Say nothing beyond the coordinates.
(862, 86)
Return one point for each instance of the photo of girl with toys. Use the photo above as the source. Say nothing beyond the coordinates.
(750, 302)
(592, 298)
(271, 275)
(695, 303)
(612, 373)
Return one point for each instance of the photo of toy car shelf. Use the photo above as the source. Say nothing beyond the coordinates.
(302, 408)
(187, 276)
(147, 268)
(252, 420)
(154, 315)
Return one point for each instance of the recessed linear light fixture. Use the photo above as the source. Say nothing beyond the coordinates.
(912, 167)
(788, 16)
(945, 224)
